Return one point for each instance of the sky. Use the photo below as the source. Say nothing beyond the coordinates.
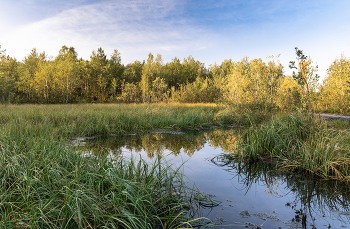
(209, 30)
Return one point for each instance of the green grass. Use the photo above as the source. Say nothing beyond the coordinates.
(93, 119)
(300, 143)
(44, 184)
(248, 114)
(56, 188)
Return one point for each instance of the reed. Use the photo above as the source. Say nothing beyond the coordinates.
(300, 142)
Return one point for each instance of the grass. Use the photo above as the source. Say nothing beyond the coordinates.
(44, 184)
(339, 124)
(300, 143)
(248, 114)
(61, 189)
(93, 119)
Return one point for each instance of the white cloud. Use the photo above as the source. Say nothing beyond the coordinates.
(133, 27)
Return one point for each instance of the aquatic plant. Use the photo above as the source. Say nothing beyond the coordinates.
(299, 142)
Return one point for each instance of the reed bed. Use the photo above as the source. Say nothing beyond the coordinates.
(45, 184)
(300, 142)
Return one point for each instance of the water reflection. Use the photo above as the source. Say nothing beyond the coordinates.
(311, 198)
(302, 202)
(157, 142)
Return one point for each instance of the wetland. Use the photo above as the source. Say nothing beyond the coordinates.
(248, 195)
(165, 166)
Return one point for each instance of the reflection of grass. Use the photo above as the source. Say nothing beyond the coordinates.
(300, 142)
(310, 196)
(46, 185)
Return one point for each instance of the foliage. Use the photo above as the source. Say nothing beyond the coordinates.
(201, 90)
(67, 79)
(253, 81)
(8, 77)
(305, 77)
(334, 95)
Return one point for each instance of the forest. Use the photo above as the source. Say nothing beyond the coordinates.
(67, 79)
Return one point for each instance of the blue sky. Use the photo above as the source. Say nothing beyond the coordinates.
(209, 30)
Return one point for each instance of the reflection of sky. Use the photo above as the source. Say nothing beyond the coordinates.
(220, 181)
(223, 182)
(215, 180)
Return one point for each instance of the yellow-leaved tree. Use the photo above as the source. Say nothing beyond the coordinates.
(335, 95)
(253, 81)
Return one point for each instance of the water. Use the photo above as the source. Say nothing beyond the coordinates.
(250, 195)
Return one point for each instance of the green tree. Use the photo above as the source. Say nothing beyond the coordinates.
(100, 75)
(191, 69)
(115, 70)
(27, 72)
(130, 93)
(158, 90)
(173, 73)
(44, 83)
(67, 73)
(252, 81)
(84, 90)
(150, 71)
(275, 77)
(8, 76)
(237, 87)
(133, 72)
(305, 76)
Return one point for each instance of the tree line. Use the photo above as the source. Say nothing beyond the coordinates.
(67, 79)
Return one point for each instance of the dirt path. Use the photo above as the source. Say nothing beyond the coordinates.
(334, 117)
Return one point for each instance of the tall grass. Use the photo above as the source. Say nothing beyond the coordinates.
(300, 142)
(56, 188)
(92, 119)
(44, 184)
(248, 114)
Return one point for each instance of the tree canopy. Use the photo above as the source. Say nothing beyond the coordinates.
(67, 79)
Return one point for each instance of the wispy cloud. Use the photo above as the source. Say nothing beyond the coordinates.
(135, 27)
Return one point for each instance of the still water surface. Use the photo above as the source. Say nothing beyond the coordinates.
(253, 196)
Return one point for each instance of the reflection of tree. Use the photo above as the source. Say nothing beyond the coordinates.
(151, 146)
(223, 138)
(154, 144)
(310, 196)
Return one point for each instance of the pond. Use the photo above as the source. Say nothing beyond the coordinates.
(250, 195)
